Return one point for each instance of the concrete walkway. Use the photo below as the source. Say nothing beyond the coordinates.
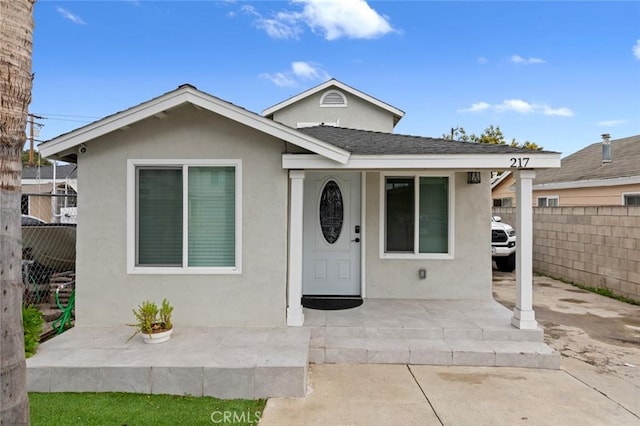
(434, 395)
(598, 382)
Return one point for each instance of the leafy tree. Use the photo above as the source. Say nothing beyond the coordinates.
(16, 80)
(39, 161)
(490, 135)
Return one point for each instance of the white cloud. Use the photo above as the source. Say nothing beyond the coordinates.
(299, 71)
(70, 16)
(517, 59)
(280, 79)
(333, 19)
(477, 107)
(344, 18)
(309, 71)
(611, 123)
(636, 49)
(482, 60)
(519, 106)
(560, 112)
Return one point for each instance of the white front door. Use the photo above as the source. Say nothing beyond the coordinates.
(332, 234)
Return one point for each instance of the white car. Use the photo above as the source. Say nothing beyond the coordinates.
(503, 244)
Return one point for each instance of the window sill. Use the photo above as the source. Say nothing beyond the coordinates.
(413, 256)
(182, 271)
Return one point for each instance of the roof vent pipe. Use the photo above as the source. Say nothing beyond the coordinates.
(606, 148)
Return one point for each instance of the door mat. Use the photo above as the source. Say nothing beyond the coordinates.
(331, 303)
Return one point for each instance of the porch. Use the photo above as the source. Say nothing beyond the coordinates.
(273, 362)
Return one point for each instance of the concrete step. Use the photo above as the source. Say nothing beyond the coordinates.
(349, 350)
(504, 333)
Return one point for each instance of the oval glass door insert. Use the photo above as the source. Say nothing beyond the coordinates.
(331, 212)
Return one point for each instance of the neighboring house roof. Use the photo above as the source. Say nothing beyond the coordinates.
(364, 142)
(397, 113)
(64, 146)
(498, 179)
(63, 171)
(586, 168)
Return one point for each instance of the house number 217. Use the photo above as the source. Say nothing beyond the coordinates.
(519, 162)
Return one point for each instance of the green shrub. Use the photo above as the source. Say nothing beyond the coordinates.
(32, 322)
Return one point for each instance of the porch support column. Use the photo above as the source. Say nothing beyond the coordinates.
(295, 316)
(523, 314)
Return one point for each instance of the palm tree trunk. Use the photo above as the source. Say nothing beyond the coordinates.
(16, 35)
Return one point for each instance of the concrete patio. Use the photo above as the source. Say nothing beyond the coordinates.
(273, 362)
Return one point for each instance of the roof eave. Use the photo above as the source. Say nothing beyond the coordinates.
(488, 162)
(63, 147)
(397, 113)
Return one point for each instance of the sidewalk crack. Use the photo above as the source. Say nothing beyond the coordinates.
(424, 394)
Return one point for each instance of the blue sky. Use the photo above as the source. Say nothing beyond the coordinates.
(555, 73)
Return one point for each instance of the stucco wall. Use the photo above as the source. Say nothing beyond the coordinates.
(357, 115)
(593, 246)
(106, 293)
(467, 276)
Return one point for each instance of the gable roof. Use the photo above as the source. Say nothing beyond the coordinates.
(63, 146)
(397, 113)
(585, 166)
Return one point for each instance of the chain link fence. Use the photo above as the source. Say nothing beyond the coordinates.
(49, 250)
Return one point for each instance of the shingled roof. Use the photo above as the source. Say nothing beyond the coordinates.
(363, 142)
(587, 164)
(46, 172)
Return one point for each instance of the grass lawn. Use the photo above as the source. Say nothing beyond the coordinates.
(135, 409)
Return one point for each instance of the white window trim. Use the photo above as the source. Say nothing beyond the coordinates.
(131, 220)
(628, 193)
(439, 256)
(329, 92)
(548, 197)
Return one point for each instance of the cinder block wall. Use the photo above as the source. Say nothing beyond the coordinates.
(594, 246)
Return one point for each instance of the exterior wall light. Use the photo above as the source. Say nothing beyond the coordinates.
(473, 178)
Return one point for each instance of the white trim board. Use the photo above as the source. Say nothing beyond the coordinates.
(189, 95)
(441, 161)
(631, 180)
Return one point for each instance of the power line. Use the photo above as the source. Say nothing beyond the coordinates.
(68, 115)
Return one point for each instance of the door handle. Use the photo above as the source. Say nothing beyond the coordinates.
(357, 240)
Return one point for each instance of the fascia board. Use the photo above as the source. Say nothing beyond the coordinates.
(112, 123)
(631, 180)
(452, 161)
(210, 103)
(271, 110)
(500, 178)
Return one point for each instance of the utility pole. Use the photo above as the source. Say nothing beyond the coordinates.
(31, 120)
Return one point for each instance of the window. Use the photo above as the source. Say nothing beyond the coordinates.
(503, 202)
(185, 217)
(549, 201)
(417, 216)
(631, 199)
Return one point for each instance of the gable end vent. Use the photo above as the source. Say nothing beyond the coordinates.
(333, 98)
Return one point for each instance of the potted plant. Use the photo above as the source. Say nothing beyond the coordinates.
(154, 323)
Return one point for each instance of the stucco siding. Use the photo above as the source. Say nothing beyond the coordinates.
(466, 276)
(106, 293)
(357, 115)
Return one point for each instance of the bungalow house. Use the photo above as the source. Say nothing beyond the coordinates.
(49, 192)
(236, 216)
(604, 173)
